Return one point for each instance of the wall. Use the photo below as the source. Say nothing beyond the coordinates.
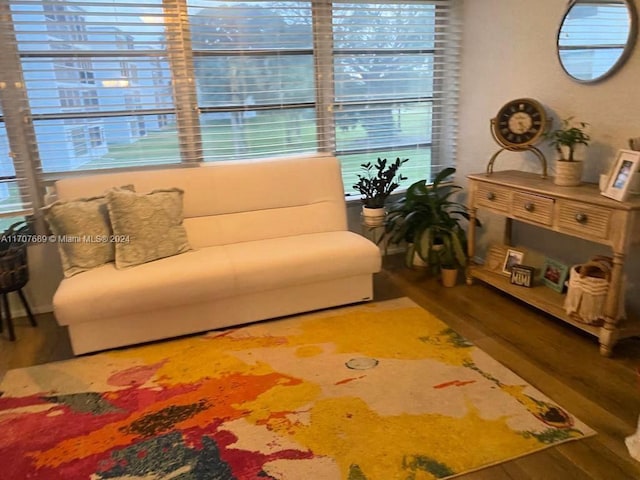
(509, 51)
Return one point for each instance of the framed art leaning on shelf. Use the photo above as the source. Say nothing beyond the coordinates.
(621, 175)
(554, 274)
(513, 257)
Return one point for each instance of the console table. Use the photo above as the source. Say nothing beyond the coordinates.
(575, 211)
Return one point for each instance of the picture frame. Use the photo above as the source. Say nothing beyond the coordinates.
(554, 274)
(621, 175)
(522, 275)
(512, 257)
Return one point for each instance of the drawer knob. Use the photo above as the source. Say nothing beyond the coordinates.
(581, 217)
(529, 207)
(491, 196)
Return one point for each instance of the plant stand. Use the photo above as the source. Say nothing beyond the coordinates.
(14, 274)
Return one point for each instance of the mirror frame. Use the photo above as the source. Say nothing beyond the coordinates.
(628, 48)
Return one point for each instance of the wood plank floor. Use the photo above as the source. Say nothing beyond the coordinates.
(558, 359)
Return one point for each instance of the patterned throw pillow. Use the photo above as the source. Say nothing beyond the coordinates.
(148, 226)
(83, 232)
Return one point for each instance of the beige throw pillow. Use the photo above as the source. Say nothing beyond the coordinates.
(147, 226)
(83, 232)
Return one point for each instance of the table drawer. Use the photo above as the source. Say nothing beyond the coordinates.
(496, 198)
(587, 220)
(532, 208)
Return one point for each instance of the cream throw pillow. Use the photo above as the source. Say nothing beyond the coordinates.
(83, 232)
(148, 226)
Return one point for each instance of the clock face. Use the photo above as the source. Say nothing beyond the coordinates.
(520, 123)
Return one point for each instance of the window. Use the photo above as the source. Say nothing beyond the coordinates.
(95, 135)
(255, 77)
(9, 196)
(113, 83)
(78, 141)
(389, 96)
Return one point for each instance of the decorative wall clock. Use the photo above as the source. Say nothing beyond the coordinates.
(518, 125)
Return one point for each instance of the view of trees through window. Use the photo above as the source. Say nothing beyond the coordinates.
(113, 83)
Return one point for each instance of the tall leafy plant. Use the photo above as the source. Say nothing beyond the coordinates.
(430, 221)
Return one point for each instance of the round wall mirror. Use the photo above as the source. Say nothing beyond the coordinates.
(596, 37)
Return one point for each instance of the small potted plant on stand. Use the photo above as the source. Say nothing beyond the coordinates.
(430, 223)
(375, 185)
(565, 140)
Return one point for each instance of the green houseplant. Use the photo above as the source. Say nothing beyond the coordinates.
(430, 222)
(375, 184)
(565, 139)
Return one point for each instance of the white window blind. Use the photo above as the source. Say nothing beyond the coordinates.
(396, 82)
(254, 70)
(107, 84)
(98, 80)
(14, 199)
(17, 182)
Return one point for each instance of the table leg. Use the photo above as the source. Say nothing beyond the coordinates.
(471, 244)
(608, 333)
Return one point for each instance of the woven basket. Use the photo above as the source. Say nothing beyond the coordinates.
(588, 289)
(14, 270)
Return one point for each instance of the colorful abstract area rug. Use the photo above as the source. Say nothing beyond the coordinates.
(381, 391)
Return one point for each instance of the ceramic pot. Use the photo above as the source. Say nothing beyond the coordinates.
(568, 174)
(449, 276)
(412, 259)
(418, 262)
(373, 217)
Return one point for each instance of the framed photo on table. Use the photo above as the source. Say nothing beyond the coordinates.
(554, 274)
(513, 257)
(624, 169)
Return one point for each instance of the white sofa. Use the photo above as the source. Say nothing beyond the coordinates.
(269, 239)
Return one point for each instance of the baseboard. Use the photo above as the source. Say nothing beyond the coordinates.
(18, 310)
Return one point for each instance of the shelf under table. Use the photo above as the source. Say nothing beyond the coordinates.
(538, 296)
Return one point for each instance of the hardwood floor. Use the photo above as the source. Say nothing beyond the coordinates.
(561, 361)
(558, 359)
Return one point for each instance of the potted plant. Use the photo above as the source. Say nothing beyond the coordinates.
(430, 222)
(375, 185)
(564, 140)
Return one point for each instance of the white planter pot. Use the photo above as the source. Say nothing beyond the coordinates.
(568, 174)
(419, 262)
(373, 217)
(412, 258)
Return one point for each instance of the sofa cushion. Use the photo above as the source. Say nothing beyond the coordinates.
(280, 262)
(214, 272)
(84, 232)
(107, 292)
(148, 226)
